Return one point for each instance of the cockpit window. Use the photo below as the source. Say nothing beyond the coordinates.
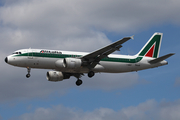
(17, 53)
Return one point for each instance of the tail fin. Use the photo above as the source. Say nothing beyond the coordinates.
(152, 47)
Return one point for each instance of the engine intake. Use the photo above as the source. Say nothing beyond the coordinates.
(72, 63)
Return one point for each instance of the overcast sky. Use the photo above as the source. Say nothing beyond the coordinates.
(79, 25)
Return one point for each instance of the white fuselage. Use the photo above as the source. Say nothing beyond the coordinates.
(68, 63)
(53, 59)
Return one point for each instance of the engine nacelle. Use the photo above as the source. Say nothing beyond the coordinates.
(57, 76)
(72, 63)
(59, 63)
(54, 76)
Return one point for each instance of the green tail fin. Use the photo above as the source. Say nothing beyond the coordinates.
(152, 47)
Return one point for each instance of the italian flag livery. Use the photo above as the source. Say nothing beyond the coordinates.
(152, 47)
(65, 64)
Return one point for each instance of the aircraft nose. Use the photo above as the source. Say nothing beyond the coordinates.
(6, 60)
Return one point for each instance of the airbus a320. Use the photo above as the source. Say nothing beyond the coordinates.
(65, 64)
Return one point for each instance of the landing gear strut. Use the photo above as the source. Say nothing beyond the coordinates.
(91, 74)
(28, 70)
(79, 81)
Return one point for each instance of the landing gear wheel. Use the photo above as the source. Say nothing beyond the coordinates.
(28, 75)
(79, 82)
(28, 70)
(91, 74)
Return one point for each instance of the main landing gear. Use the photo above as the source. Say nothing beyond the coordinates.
(91, 74)
(28, 70)
(79, 81)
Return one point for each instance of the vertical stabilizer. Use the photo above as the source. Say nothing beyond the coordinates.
(152, 47)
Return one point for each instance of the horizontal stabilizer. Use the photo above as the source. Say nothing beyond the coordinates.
(161, 58)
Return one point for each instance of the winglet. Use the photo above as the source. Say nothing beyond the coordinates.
(132, 37)
(161, 58)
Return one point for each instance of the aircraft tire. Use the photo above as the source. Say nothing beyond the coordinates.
(28, 75)
(91, 74)
(79, 82)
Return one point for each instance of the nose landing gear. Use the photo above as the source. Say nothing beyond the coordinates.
(28, 70)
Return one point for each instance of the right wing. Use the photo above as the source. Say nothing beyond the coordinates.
(92, 59)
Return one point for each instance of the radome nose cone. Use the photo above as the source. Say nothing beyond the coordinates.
(6, 60)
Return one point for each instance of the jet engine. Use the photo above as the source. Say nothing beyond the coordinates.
(59, 63)
(56, 76)
(72, 63)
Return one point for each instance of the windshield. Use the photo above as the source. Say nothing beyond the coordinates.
(17, 53)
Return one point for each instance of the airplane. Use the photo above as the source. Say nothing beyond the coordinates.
(65, 64)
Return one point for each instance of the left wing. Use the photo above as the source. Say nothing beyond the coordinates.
(92, 59)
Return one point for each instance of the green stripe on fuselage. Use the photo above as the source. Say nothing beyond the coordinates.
(124, 60)
(108, 59)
